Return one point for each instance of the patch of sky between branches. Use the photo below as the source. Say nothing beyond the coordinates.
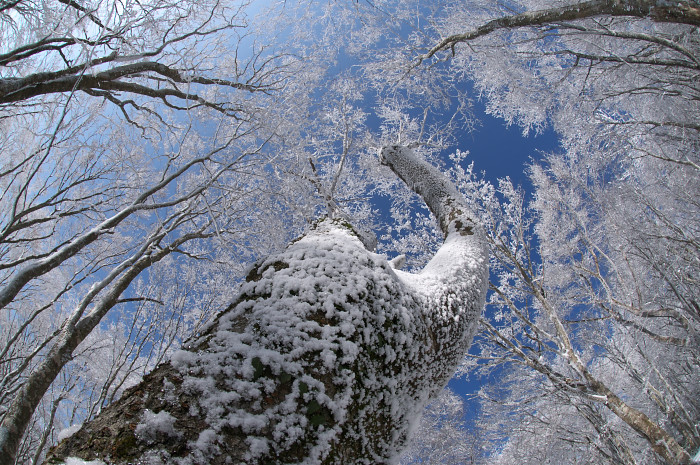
(499, 150)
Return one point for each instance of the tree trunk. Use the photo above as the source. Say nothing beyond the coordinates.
(327, 356)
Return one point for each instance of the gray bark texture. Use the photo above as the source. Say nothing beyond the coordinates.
(327, 356)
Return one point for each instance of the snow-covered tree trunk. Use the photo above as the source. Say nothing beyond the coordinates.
(327, 356)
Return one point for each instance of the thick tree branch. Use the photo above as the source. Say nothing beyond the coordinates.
(113, 80)
(443, 200)
(682, 12)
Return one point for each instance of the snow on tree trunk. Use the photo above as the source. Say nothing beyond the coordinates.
(327, 356)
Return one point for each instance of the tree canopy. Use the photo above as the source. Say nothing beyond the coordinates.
(150, 152)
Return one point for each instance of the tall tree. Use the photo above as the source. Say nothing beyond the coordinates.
(617, 80)
(325, 357)
(609, 250)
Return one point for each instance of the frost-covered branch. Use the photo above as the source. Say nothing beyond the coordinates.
(683, 12)
(437, 192)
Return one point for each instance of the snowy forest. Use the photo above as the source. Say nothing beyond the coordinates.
(252, 231)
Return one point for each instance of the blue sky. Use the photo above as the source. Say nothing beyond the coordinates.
(499, 150)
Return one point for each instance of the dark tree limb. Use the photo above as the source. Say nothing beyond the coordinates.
(681, 12)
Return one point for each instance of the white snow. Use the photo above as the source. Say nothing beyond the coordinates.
(68, 432)
(77, 461)
(154, 424)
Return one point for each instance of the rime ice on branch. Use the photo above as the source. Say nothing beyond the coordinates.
(327, 356)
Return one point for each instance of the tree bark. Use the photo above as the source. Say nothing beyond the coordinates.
(327, 356)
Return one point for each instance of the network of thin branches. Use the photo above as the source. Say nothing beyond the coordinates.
(149, 151)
